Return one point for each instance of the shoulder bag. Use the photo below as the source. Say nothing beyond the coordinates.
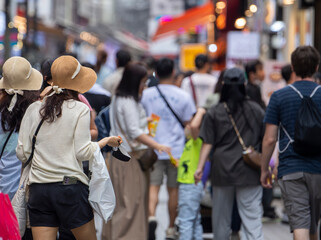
(250, 156)
(19, 201)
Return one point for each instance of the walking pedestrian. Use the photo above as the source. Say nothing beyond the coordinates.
(299, 173)
(255, 75)
(111, 82)
(174, 115)
(200, 84)
(131, 183)
(231, 177)
(101, 69)
(58, 187)
(19, 88)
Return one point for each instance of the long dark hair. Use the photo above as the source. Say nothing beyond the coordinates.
(101, 59)
(130, 82)
(233, 95)
(10, 121)
(219, 84)
(52, 107)
(46, 72)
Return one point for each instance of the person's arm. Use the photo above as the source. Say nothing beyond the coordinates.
(145, 139)
(24, 146)
(205, 151)
(196, 122)
(93, 127)
(269, 141)
(112, 141)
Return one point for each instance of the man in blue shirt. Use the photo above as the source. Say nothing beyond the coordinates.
(299, 176)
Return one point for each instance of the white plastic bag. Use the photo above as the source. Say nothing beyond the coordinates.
(19, 201)
(101, 191)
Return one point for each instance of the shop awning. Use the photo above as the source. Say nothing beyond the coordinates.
(190, 19)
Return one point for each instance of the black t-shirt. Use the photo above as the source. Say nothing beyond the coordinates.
(228, 167)
(254, 93)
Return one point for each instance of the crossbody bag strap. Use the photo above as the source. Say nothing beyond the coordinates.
(193, 90)
(7, 140)
(118, 123)
(34, 139)
(234, 126)
(170, 108)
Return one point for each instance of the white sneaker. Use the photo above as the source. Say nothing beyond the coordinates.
(171, 233)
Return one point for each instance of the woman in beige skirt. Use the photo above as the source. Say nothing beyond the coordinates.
(131, 183)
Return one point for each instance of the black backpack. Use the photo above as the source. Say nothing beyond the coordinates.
(307, 134)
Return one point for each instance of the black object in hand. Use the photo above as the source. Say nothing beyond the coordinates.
(121, 154)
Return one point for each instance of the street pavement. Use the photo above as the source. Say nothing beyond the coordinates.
(272, 230)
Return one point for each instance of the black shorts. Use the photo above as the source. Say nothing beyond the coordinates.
(55, 205)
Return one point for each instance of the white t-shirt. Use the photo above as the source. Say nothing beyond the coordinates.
(204, 85)
(169, 131)
(132, 119)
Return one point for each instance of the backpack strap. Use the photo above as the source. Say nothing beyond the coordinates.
(296, 90)
(314, 91)
(301, 96)
(289, 137)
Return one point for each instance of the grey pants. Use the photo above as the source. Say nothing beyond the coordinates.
(249, 205)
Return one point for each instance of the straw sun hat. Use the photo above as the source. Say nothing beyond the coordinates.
(18, 75)
(67, 73)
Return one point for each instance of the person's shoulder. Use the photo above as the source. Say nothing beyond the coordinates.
(35, 104)
(254, 105)
(125, 101)
(34, 107)
(215, 109)
(205, 76)
(281, 93)
(179, 92)
(185, 81)
(75, 106)
(148, 92)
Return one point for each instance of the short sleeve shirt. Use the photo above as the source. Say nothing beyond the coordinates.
(169, 131)
(283, 109)
(228, 167)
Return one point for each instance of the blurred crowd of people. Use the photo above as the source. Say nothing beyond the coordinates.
(199, 125)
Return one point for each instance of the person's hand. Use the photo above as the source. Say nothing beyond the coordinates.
(198, 175)
(114, 141)
(266, 179)
(149, 119)
(162, 148)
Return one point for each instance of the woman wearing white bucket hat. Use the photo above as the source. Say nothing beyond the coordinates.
(18, 89)
(58, 186)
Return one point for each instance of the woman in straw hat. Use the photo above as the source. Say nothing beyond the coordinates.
(18, 89)
(58, 186)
